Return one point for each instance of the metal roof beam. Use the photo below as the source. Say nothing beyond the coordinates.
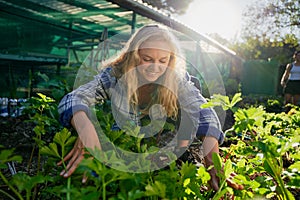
(108, 11)
(159, 16)
(32, 58)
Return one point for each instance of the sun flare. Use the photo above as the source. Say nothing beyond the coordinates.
(214, 16)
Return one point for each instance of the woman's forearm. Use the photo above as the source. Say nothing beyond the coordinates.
(284, 77)
(85, 130)
(210, 146)
(286, 74)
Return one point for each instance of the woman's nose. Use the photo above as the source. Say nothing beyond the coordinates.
(154, 66)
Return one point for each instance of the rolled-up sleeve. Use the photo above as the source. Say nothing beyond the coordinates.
(209, 125)
(202, 122)
(85, 96)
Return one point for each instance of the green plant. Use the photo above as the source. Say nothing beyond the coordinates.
(6, 156)
(265, 141)
(56, 85)
(262, 150)
(42, 111)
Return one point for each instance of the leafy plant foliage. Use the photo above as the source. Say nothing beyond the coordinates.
(261, 148)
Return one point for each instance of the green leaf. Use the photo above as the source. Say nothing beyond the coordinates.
(228, 168)
(156, 189)
(203, 174)
(241, 163)
(45, 98)
(295, 167)
(217, 161)
(223, 101)
(50, 150)
(43, 76)
(6, 155)
(268, 168)
(222, 193)
(186, 182)
(62, 136)
(25, 182)
(188, 170)
(235, 99)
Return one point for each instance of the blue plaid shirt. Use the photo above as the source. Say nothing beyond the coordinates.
(105, 86)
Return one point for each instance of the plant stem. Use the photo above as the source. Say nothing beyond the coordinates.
(8, 195)
(103, 190)
(31, 157)
(279, 180)
(10, 186)
(69, 188)
(218, 193)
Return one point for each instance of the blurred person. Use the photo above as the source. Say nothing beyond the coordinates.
(290, 81)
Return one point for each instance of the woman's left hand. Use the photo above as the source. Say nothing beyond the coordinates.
(210, 146)
(232, 184)
(214, 181)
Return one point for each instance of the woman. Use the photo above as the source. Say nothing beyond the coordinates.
(147, 78)
(290, 81)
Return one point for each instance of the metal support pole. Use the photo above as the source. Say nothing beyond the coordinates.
(133, 22)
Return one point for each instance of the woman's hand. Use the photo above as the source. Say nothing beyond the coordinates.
(233, 184)
(214, 181)
(210, 146)
(75, 156)
(88, 139)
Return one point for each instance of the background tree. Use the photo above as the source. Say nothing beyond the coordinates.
(273, 18)
(264, 48)
(270, 31)
(172, 6)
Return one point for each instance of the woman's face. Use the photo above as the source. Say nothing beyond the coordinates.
(154, 60)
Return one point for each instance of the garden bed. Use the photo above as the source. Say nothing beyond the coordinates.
(253, 149)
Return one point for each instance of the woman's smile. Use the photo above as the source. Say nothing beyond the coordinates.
(154, 60)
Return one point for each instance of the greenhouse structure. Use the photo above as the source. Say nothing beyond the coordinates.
(43, 39)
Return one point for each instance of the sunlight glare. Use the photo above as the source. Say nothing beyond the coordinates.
(214, 16)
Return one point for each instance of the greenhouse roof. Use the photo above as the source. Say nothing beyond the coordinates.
(45, 28)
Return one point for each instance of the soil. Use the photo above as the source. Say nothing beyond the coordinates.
(17, 133)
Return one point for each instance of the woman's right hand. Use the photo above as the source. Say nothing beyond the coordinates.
(75, 156)
(88, 139)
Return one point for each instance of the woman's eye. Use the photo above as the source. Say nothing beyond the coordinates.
(164, 61)
(147, 59)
